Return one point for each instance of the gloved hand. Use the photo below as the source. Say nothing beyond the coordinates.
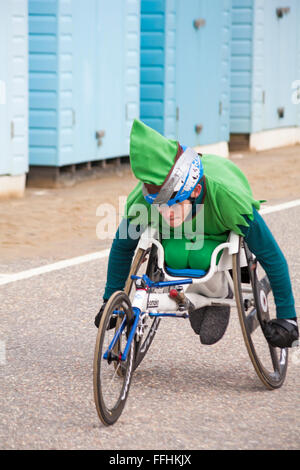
(112, 321)
(99, 314)
(281, 333)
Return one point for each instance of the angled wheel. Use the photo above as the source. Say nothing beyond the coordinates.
(255, 305)
(144, 263)
(112, 375)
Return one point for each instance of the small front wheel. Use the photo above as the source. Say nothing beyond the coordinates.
(112, 374)
(145, 262)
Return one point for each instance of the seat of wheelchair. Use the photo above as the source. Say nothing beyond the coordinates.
(196, 273)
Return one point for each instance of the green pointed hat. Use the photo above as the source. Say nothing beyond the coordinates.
(151, 155)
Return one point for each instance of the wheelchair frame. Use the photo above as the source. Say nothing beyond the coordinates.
(149, 303)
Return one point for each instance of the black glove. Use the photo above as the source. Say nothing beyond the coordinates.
(112, 321)
(280, 333)
(99, 314)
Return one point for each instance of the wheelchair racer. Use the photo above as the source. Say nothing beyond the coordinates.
(177, 182)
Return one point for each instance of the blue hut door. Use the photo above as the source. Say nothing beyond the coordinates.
(111, 108)
(84, 80)
(4, 85)
(197, 71)
(153, 63)
(280, 64)
(100, 59)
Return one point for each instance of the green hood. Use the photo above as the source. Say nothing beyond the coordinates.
(151, 155)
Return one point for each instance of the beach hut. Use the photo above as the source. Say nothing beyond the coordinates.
(185, 70)
(265, 73)
(13, 97)
(84, 70)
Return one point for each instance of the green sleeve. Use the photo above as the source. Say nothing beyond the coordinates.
(120, 257)
(263, 245)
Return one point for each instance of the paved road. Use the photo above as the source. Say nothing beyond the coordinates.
(183, 396)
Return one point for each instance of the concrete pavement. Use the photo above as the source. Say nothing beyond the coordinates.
(183, 396)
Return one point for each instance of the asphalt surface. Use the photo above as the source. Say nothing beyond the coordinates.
(183, 396)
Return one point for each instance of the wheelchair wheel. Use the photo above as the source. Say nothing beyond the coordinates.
(144, 263)
(255, 305)
(112, 377)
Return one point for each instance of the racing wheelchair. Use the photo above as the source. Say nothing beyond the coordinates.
(153, 291)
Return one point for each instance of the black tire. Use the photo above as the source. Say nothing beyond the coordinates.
(144, 263)
(112, 377)
(254, 309)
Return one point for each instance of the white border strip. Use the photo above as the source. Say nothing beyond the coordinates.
(8, 278)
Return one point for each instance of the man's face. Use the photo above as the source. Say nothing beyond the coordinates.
(175, 215)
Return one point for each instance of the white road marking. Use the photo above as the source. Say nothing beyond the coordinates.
(8, 278)
(279, 207)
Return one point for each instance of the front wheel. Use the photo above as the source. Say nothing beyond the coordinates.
(145, 262)
(112, 375)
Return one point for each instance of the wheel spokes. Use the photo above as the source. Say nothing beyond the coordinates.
(252, 321)
(112, 376)
(270, 363)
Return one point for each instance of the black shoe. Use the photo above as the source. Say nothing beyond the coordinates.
(214, 324)
(210, 323)
(196, 318)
